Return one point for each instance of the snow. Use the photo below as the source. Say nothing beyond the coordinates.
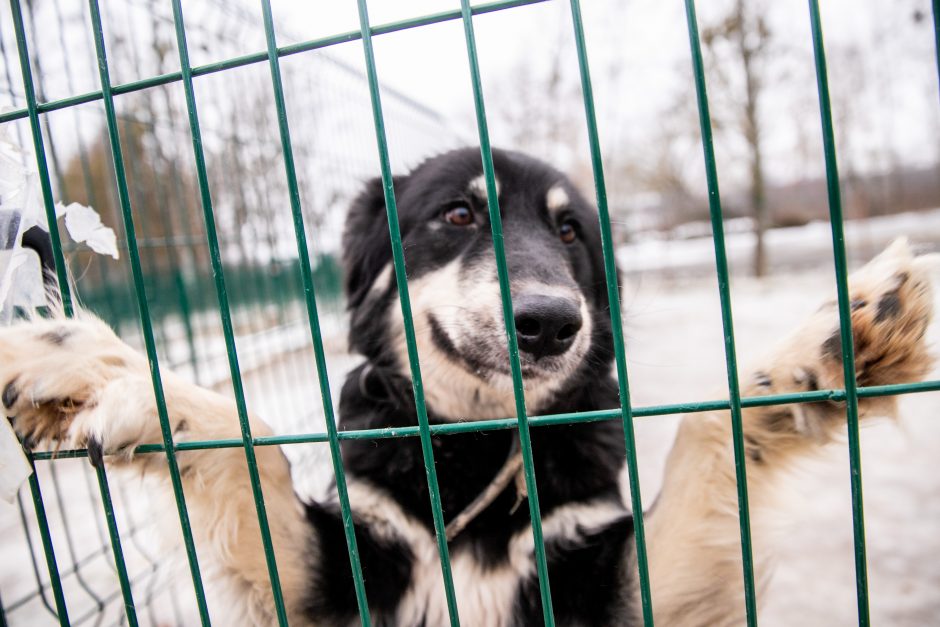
(786, 247)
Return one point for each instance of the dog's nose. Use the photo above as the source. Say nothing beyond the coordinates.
(546, 325)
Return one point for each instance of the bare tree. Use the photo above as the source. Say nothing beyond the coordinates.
(743, 38)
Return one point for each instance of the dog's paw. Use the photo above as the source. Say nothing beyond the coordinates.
(892, 305)
(74, 383)
(891, 308)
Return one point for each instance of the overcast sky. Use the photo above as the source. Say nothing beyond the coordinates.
(646, 41)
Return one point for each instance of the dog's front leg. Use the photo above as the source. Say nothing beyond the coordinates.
(693, 533)
(74, 383)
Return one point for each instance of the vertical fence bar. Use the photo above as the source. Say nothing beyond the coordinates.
(154, 564)
(62, 278)
(845, 316)
(69, 540)
(100, 472)
(130, 609)
(224, 311)
(616, 318)
(502, 271)
(143, 307)
(721, 264)
(401, 279)
(40, 586)
(313, 314)
(47, 547)
(103, 485)
(65, 292)
(936, 34)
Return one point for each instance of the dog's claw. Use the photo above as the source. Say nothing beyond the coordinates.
(95, 453)
(10, 394)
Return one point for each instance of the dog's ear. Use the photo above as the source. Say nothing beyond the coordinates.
(366, 244)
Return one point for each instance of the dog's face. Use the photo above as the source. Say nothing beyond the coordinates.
(556, 274)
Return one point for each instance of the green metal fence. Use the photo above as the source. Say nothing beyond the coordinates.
(205, 266)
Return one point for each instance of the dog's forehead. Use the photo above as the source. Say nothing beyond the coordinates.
(518, 179)
(463, 170)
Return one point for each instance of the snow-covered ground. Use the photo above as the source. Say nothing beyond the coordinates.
(675, 353)
(798, 247)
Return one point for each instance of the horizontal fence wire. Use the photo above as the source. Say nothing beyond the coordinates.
(534, 421)
(727, 323)
(845, 314)
(502, 271)
(401, 281)
(261, 57)
(313, 318)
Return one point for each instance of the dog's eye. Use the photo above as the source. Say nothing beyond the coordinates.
(459, 215)
(567, 232)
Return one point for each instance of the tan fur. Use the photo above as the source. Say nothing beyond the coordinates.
(92, 385)
(693, 529)
(75, 381)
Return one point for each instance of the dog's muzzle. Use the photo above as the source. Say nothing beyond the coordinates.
(546, 325)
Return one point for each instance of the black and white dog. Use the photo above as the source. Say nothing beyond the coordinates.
(76, 383)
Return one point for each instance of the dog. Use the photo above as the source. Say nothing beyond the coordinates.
(73, 382)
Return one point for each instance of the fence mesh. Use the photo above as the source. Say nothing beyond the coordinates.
(228, 274)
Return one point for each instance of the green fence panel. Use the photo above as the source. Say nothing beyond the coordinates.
(251, 285)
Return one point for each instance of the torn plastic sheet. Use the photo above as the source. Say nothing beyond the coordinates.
(21, 208)
(84, 225)
(14, 467)
(21, 279)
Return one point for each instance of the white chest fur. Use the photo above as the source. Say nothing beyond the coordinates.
(484, 595)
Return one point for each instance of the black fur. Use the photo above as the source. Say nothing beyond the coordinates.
(386, 569)
(532, 248)
(588, 578)
(889, 306)
(574, 463)
(10, 394)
